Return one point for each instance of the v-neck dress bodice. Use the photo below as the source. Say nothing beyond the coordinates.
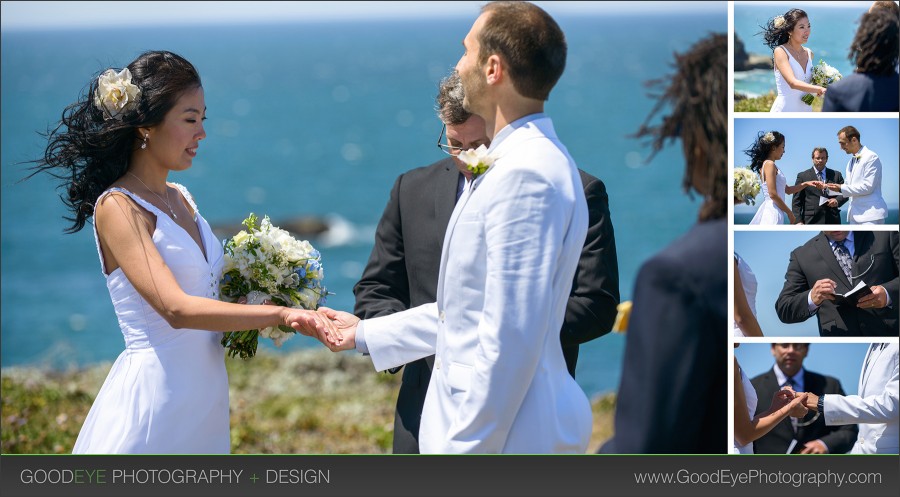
(167, 392)
(789, 99)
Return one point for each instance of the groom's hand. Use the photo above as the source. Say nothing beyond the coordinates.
(812, 401)
(346, 324)
(823, 290)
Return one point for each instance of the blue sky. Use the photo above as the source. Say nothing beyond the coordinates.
(841, 360)
(804, 134)
(50, 15)
(768, 253)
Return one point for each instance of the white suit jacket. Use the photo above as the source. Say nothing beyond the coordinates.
(876, 408)
(500, 383)
(862, 183)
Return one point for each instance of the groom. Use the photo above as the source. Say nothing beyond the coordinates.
(500, 383)
(862, 181)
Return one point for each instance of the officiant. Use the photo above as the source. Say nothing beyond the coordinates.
(838, 261)
(818, 206)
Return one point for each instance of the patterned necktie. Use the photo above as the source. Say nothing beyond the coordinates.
(822, 175)
(843, 257)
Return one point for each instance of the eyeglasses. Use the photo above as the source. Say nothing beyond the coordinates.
(448, 149)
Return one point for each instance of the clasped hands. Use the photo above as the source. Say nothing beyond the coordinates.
(796, 403)
(335, 329)
(824, 289)
(821, 185)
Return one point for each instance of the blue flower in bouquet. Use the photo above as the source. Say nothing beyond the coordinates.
(267, 262)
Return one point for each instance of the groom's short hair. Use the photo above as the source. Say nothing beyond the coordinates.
(850, 132)
(530, 42)
(821, 150)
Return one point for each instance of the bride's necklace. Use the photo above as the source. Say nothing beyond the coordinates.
(793, 52)
(166, 200)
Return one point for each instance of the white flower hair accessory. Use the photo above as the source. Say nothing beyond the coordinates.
(778, 22)
(768, 138)
(116, 95)
(477, 160)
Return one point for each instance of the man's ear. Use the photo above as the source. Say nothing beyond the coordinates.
(494, 71)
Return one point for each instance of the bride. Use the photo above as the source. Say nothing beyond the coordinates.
(785, 35)
(114, 148)
(768, 148)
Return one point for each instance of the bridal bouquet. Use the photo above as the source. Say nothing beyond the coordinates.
(822, 75)
(746, 185)
(264, 263)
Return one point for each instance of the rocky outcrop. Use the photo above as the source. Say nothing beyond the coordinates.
(744, 61)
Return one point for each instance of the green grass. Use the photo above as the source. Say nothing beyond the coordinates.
(764, 103)
(304, 402)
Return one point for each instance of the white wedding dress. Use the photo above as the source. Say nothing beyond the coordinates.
(748, 281)
(751, 398)
(167, 393)
(768, 212)
(788, 99)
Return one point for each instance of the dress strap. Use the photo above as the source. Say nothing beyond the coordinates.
(143, 203)
(187, 196)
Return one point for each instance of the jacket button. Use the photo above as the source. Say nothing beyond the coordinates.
(442, 315)
(437, 363)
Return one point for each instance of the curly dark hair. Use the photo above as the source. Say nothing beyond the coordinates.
(89, 153)
(773, 37)
(759, 151)
(875, 47)
(698, 94)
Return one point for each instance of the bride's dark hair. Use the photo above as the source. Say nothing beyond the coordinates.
(876, 46)
(774, 36)
(697, 95)
(89, 152)
(759, 151)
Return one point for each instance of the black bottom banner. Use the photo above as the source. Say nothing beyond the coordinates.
(468, 476)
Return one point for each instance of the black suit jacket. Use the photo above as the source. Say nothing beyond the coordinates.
(403, 268)
(674, 379)
(863, 93)
(805, 203)
(839, 439)
(875, 253)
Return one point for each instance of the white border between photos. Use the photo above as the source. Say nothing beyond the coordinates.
(732, 228)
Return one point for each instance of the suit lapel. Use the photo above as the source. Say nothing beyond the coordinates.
(445, 192)
(828, 257)
(862, 245)
(460, 205)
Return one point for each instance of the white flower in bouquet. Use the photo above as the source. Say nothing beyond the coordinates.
(265, 263)
(746, 185)
(822, 75)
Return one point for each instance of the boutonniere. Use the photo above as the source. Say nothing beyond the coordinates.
(477, 160)
(857, 156)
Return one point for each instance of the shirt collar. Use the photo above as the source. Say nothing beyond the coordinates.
(509, 128)
(798, 378)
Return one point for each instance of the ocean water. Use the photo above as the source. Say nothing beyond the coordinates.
(833, 28)
(318, 119)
